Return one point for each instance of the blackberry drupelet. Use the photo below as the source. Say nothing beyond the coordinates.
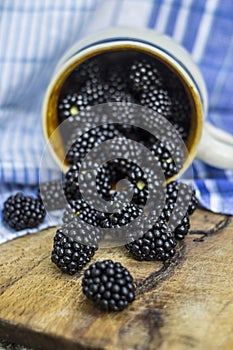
(21, 212)
(143, 74)
(69, 253)
(158, 243)
(109, 285)
(51, 195)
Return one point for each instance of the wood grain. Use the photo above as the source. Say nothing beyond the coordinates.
(187, 303)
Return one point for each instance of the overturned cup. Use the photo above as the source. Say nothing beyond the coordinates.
(120, 45)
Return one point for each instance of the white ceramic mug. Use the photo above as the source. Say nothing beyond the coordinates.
(209, 143)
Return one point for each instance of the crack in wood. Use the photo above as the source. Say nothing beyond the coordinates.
(218, 227)
(162, 274)
(168, 268)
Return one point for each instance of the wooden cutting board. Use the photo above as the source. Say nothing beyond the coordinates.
(187, 304)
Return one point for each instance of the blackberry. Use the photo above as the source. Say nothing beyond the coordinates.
(70, 105)
(170, 163)
(104, 183)
(143, 74)
(69, 253)
(85, 212)
(69, 214)
(180, 113)
(109, 285)
(182, 194)
(89, 70)
(158, 100)
(51, 195)
(176, 220)
(158, 243)
(118, 169)
(95, 92)
(124, 216)
(71, 184)
(89, 140)
(92, 93)
(72, 189)
(182, 229)
(21, 212)
(193, 203)
(118, 91)
(167, 211)
(87, 234)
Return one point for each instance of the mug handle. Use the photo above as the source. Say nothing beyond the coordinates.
(216, 147)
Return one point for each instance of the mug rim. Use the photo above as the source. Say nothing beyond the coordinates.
(49, 110)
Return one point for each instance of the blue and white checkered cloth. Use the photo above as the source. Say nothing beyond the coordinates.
(33, 36)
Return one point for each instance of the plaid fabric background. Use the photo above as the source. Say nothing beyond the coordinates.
(35, 33)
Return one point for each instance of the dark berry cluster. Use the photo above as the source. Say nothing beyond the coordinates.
(143, 74)
(69, 253)
(183, 195)
(109, 285)
(86, 142)
(131, 79)
(21, 212)
(158, 243)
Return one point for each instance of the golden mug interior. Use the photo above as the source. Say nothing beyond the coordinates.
(50, 115)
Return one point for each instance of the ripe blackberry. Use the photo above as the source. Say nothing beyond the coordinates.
(180, 112)
(89, 140)
(51, 195)
(69, 253)
(143, 74)
(69, 214)
(21, 212)
(158, 243)
(95, 92)
(109, 285)
(158, 100)
(104, 183)
(70, 105)
(122, 217)
(176, 219)
(119, 168)
(182, 194)
(89, 70)
(170, 162)
(182, 229)
(167, 211)
(71, 184)
(87, 235)
(118, 91)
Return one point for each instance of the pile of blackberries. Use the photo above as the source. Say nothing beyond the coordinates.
(142, 81)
